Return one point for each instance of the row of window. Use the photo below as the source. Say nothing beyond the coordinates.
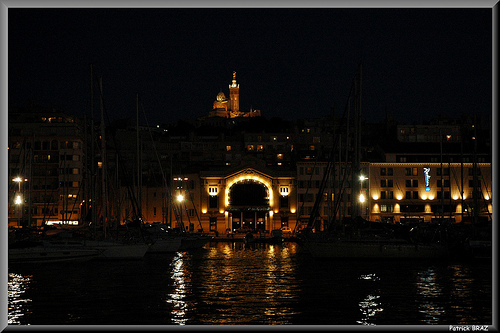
(261, 148)
(415, 195)
(437, 159)
(414, 171)
(52, 211)
(49, 145)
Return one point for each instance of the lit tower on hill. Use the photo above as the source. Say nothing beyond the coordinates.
(234, 95)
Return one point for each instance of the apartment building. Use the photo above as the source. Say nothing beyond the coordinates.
(46, 166)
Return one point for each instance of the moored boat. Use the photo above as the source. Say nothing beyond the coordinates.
(41, 253)
(165, 245)
(117, 250)
(373, 249)
(191, 241)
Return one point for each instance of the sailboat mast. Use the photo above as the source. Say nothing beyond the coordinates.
(93, 201)
(474, 172)
(103, 161)
(356, 166)
(139, 178)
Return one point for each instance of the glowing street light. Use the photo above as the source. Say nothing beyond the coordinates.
(362, 197)
(18, 199)
(180, 198)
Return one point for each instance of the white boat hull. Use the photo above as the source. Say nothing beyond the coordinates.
(112, 250)
(41, 254)
(167, 245)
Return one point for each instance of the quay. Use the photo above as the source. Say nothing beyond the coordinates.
(258, 237)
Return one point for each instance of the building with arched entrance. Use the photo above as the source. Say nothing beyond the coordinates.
(249, 197)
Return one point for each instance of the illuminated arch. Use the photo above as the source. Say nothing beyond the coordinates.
(253, 177)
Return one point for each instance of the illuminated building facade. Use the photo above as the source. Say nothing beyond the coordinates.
(247, 197)
(258, 175)
(398, 192)
(46, 164)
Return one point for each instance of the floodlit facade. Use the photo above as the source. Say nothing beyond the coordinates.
(236, 171)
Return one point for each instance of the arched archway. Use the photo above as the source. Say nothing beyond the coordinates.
(248, 193)
(248, 201)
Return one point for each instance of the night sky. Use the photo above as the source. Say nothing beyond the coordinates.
(290, 63)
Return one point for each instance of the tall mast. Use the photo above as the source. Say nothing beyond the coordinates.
(139, 178)
(103, 166)
(93, 201)
(475, 192)
(356, 165)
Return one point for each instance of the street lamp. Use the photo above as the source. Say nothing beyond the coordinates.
(18, 200)
(362, 197)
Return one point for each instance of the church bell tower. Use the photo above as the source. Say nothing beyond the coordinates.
(234, 95)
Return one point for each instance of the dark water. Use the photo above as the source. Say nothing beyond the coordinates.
(230, 284)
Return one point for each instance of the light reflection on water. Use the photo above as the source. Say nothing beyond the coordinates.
(370, 305)
(18, 305)
(234, 284)
(250, 284)
(179, 276)
(429, 288)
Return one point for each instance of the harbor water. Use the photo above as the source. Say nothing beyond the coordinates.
(230, 283)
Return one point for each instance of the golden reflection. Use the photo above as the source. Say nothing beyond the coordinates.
(429, 288)
(177, 297)
(18, 285)
(462, 290)
(241, 278)
(461, 281)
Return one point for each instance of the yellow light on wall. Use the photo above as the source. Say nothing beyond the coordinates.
(254, 178)
(292, 210)
(204, 210)
(486, 197)
(221, 211)
(180, 198)
(399, 197)
(18, 200)
(424, 197)
(375, 197)
(361, 198)
(427, 208)
(455, 197)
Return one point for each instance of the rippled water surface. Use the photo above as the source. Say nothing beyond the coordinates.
(234, 284)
